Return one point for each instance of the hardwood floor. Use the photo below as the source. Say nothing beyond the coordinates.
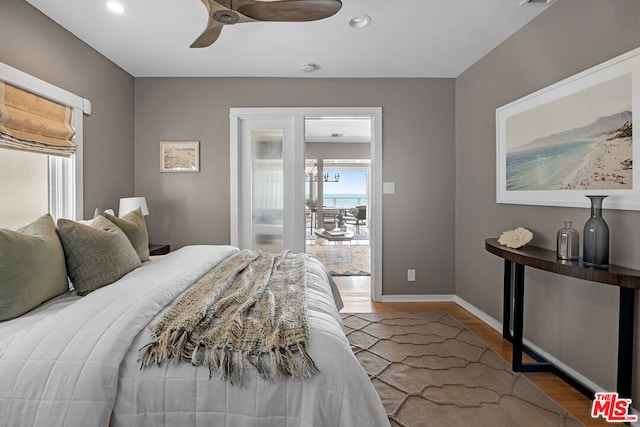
(355, 294)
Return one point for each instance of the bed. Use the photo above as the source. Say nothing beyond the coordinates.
(75, 361)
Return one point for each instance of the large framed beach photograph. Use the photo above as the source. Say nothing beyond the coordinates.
(179, 156)
(572, 139)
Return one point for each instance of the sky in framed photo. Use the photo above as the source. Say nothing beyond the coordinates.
(580, 141)
(569, 112)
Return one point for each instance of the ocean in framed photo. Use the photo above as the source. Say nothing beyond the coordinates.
(545, 168)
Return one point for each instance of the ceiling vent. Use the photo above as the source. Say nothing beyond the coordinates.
(537, 2)
(310, 67)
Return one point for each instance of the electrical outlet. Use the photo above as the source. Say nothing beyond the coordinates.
(411, 275)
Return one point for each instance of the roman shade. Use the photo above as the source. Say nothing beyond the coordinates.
(30, 122)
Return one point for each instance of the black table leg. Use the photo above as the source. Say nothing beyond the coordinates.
(518, 317)
(506, 302)
(625, 342)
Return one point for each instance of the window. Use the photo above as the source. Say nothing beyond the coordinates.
(32, 184)
(21, 174)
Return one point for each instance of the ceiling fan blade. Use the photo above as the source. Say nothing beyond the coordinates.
(289, 10)
(209, 35)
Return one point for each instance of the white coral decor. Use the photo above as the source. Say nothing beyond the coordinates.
(515, 238)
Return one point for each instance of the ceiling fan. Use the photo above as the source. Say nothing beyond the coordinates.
(230, 12)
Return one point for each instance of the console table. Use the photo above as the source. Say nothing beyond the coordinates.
(628, 280)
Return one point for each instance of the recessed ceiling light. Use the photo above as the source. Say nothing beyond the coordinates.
(537, 2)
(115, 6)
(360, 21)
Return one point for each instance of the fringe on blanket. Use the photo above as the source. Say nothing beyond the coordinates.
(293, 361)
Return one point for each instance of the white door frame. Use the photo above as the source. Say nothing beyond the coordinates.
(236, 116)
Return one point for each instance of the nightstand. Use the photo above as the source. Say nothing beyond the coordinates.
(159, 249)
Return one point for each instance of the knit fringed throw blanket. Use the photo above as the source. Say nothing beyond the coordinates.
(251, 307)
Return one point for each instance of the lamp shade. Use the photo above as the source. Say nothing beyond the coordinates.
(129, 204)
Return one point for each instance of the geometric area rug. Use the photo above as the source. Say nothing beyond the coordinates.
(430, 370)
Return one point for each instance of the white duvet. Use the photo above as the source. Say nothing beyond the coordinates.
(77, 365)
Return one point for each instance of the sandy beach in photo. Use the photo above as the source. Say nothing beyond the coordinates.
(607, 166)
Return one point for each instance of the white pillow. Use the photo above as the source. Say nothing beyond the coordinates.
(90, 221)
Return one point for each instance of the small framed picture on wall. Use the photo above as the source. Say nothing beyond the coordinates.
(180, 156)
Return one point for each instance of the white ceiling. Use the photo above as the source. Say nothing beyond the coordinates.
(412, 38)
(337, 129)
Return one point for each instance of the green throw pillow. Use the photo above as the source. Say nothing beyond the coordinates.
(134, 227)
(96, 254)
(32, 267)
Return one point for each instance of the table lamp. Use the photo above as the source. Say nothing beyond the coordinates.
(129, 204)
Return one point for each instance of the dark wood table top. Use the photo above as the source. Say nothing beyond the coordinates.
(545, 259)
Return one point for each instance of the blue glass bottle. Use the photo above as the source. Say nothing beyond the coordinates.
(595, 250)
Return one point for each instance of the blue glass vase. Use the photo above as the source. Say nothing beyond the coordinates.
(595, 250)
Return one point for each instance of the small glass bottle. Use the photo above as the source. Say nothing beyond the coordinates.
(568, 243)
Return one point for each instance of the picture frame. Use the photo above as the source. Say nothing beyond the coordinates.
(180, 156)
(572, 139)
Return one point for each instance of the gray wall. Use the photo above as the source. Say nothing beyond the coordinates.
(418, 151)
(33, 43)
(576, 321)
(332, 150)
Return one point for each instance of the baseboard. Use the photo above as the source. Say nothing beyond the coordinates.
(489, 320)
(418, 298)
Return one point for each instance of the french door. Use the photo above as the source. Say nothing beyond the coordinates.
(267, 182)
(269, 202)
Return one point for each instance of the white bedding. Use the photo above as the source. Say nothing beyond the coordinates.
(75, 362)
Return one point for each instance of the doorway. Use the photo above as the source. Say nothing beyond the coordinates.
(339, 236)
(337, 189)
(245, 122)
